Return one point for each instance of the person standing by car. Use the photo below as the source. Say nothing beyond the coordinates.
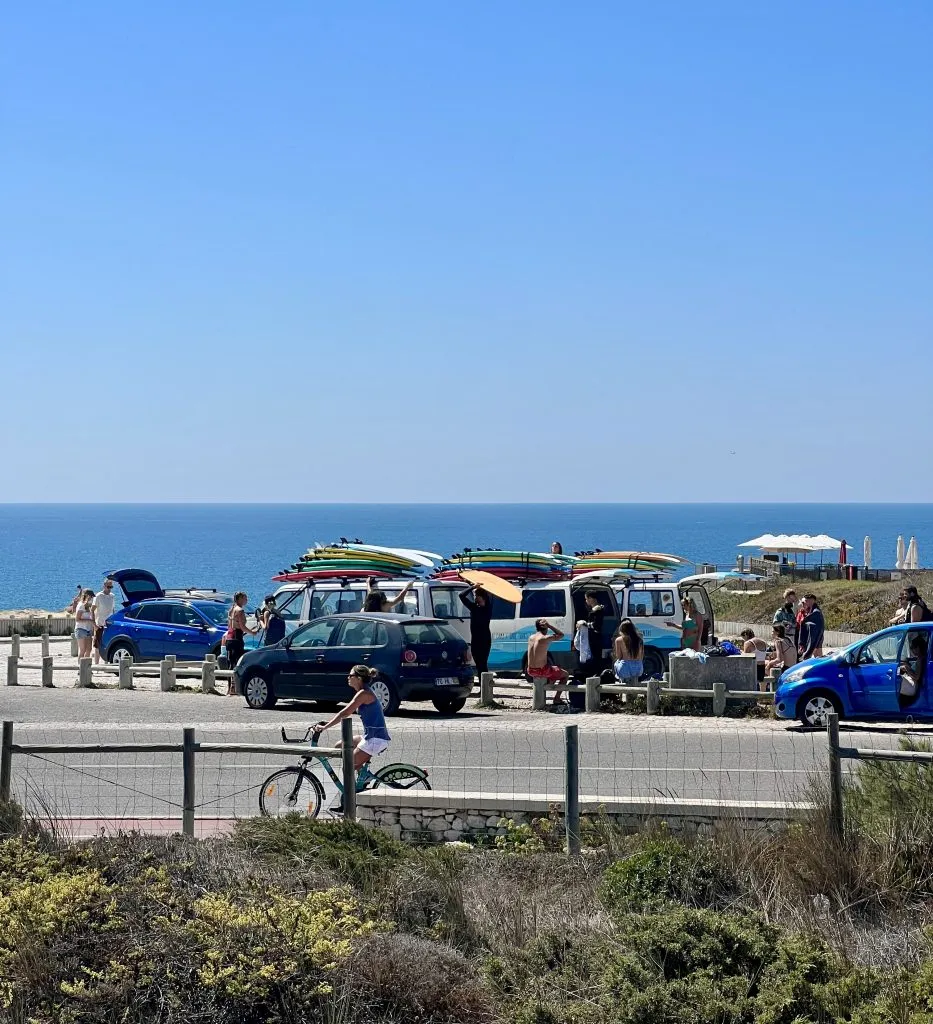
(84, 623)
(272, 623)
(480, 605)
(376, 600)
(917, 610)
(691, 629)
(810, 644)
(103, 609)
(786, 615)
(628, 650)
(237, 629)
(593, 624)
(375, 739)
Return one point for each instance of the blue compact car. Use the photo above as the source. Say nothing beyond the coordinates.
(886, 675)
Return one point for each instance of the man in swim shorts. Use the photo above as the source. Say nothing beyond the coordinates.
(538, 668)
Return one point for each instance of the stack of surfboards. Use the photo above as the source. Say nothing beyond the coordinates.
(625, 561)
(355, 560)
(507, 565)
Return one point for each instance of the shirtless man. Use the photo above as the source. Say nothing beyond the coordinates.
(538, 668)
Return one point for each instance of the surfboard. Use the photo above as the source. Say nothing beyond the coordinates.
(303, 576)
(495, 585)
(426, 558)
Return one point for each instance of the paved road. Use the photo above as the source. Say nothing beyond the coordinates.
(503, 752)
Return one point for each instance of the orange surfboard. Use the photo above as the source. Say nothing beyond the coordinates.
(494, 585)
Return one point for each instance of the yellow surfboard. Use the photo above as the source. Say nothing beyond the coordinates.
(494, 585)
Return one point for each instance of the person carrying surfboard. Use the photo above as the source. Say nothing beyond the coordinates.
(480, 605)
(538, 667)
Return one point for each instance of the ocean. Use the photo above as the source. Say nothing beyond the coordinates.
(48, 549)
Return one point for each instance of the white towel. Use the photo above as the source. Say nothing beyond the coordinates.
(581, 640)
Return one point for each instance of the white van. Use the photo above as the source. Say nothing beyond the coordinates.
(299, 603)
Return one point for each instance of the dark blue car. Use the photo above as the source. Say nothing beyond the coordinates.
(886, 675)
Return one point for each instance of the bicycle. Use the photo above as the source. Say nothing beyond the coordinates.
(297, 790)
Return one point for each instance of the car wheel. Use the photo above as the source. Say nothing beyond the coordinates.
(386, 694)
(813, 708)
(119, 651)
(449, 705)
(653, 662)
(258, 692)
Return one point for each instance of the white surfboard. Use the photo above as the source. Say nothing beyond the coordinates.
(425, 558)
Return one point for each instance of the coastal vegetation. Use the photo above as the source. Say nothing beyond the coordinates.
(290, 921)
(854, 606)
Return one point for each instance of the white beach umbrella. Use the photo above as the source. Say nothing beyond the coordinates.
(866, 552)
(899, 564)
(778, 542)
(913, 561)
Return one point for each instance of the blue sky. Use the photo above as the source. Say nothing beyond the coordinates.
(449, 252)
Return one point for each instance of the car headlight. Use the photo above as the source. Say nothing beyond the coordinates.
(794, 676)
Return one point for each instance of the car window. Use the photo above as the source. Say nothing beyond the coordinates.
(155, 613)
(315, 634)
(880, 651)
(502, 609)
(447, 604)
(185, 615)
(131, 587)
(215, 611)
(645, 603)
(427, 633)
(362, 633)
(288, 604)
(407, 607)
(350, 600)
(324, 602)
(132, 613)
(538, 604)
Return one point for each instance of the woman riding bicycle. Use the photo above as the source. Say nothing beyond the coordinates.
(375, 738)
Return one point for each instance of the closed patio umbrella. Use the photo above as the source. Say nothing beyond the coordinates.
(899, 564)
(866, 552)
(913, 561)
(843, 552)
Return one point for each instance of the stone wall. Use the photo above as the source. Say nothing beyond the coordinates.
(442, 816)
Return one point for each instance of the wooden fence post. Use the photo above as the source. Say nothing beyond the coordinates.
(74, 646)
(349, 772)
(572, 789)
(48, 626)
(187, 782)
(208, 673)
(85, 676)
(538, 694)
(653, 696)
(14, 645)
(125, 665)
(719, 698)
(47, 670)
(6, 763)
(12, 670)
(591, 698)
(487, 682)
(44, 645)
(836, 814)
(167, 672)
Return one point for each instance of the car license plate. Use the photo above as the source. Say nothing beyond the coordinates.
(447, 681)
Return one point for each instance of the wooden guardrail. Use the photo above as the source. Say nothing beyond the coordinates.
(593, 690)
(168, 671)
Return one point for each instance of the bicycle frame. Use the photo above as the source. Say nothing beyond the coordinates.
(364, 776)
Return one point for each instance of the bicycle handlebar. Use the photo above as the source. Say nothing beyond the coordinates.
(310, 736)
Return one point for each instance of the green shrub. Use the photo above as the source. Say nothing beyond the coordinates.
(664, 870)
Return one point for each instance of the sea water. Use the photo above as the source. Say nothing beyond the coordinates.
(46, 550)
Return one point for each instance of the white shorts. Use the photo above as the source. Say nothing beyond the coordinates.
(373, 746)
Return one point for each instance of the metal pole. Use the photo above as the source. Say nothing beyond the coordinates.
(6, 763)
(836, 820)
(349, 772)
(572, 789)
(187, 773)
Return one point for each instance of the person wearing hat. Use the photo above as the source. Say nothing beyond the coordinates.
(272, 622)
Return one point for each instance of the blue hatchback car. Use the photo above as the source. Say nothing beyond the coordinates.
(886, 675)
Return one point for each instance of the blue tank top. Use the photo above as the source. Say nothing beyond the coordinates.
(374, 722)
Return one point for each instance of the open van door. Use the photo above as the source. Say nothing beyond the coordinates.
(698, 594)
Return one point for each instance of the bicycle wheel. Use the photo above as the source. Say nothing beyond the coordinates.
(401, 776)
(291, 791)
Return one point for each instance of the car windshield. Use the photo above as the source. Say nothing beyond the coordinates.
(214, 612)
(428, 633)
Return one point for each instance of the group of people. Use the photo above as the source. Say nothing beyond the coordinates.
(91, 612)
